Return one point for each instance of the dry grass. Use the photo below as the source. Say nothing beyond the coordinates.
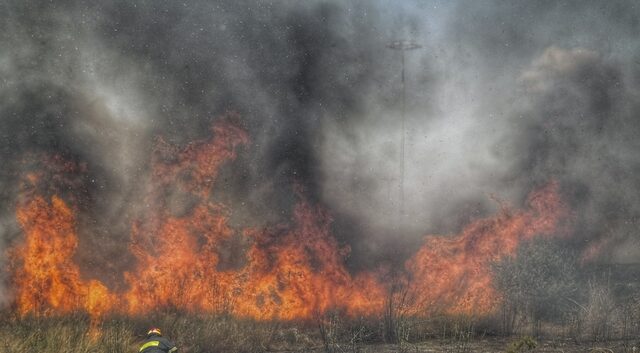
(191, 333)
(69, 334)
(331, 334)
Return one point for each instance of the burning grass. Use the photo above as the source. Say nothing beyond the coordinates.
(294, 290)
(292, 271)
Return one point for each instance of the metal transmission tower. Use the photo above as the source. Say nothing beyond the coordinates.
(403, 46)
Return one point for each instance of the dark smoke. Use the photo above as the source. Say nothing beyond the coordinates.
(502, 98)
(572, 69)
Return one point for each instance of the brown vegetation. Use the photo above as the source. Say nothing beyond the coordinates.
(330, 333)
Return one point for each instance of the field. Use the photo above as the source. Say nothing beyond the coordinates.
(199, 334)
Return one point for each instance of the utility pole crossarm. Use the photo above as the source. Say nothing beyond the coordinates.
(403, 45)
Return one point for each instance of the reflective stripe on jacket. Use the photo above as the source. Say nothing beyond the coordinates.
(157, 344)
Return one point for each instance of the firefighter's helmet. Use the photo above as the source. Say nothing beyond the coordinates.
(154, 331)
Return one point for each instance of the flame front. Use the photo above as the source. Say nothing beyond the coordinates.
(452, 274)
(292, 271)
(299, 272)
(48, 281)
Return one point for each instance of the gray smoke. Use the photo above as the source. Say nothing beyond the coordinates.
(501, 98)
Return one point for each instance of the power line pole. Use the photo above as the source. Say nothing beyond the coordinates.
(403, 46)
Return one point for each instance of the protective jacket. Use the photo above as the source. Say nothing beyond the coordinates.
(157, 344)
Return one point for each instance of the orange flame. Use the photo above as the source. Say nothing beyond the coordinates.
(298, 273)
(48, 282)
(453, 273)
(177, 256)
(292, 271)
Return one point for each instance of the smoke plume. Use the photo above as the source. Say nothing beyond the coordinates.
(500, 99)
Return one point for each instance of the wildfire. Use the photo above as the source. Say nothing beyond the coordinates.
(291, 271)
(48, 281)
(177, 255)
(452, 274)
(299, 272)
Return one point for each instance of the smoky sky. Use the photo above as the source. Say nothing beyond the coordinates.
(501, 98)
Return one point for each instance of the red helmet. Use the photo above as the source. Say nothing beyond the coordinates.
(154, 331)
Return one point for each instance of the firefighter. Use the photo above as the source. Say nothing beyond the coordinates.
(155, 343)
